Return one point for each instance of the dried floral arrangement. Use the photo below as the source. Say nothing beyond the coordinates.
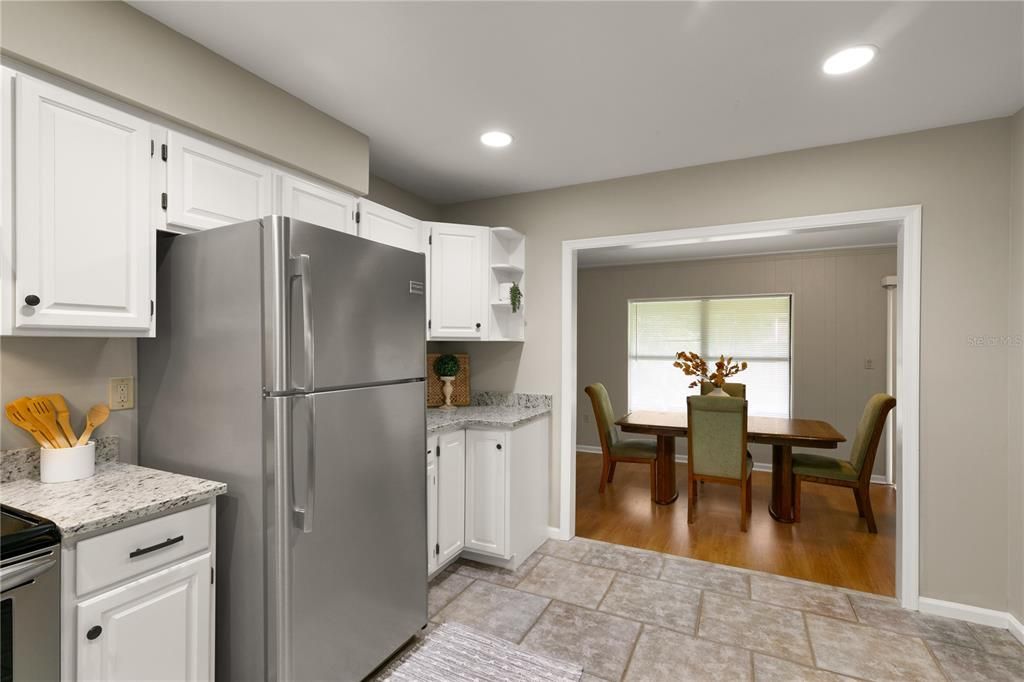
(693, 365)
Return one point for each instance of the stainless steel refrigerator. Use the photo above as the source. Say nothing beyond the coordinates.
(289, 363)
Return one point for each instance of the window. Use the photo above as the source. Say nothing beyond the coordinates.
(754, 328)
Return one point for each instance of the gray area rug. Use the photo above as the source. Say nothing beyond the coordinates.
(455, 653)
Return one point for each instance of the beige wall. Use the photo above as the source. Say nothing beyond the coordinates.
(839, 311)
(114, 48)
(960, 176)
(76, 368)
(1015, 417)
(393, 196)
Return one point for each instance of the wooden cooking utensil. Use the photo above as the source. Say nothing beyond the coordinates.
(62, 415)
(45, 413)
(24, 405)
(97, 415)
(21, 420)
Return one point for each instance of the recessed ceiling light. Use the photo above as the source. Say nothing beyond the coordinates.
(850, 59)
(496, 138)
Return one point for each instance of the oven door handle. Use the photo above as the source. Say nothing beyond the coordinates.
(18, 574)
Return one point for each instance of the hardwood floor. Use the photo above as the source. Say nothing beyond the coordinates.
(830, 545)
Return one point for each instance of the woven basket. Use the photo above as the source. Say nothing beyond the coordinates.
(460, 386)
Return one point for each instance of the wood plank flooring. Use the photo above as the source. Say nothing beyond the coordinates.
(830, 545)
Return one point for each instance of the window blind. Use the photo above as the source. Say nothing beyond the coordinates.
(753, 328)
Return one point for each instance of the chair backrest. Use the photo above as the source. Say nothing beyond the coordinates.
(734, 390)
(869, 432)
(717, 436)
(603, 416)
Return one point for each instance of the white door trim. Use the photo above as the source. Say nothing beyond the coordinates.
(909, 362)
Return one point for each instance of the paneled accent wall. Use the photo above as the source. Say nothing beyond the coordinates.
(838, 324)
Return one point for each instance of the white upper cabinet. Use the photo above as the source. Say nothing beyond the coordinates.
(459, 275)
(208, 186)
(388, 226)
(77, 249)
(486, 486)
(302, 200)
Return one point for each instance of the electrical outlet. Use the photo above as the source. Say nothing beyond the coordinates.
(121, 393)
(869, 363)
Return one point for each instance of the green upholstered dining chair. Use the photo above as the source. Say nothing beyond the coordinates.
(716, 444)
(734, 390)
(856, 473)
(614, 449)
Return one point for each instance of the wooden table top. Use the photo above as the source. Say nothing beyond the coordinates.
(772, 430)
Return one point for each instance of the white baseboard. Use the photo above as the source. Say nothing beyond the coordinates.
(973, 614)
(681, 459)
(558, 534)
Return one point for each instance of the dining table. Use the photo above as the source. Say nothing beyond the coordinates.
(779, 432)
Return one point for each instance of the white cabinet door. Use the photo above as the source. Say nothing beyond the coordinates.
(82, 237)
(315, 204)
(156, 628)
(433, 549)
(387, 226)
(458, 281)
(486, 485)
(208, 186)
(451, 494)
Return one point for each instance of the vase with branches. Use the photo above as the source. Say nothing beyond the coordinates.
(693, 365)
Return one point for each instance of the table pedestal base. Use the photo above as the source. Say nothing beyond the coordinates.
(781, 507)
(665, 489)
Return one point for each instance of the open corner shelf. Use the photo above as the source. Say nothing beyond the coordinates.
(507, 269)
(507, 234)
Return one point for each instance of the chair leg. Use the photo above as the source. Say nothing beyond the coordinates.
(691, 485)
(694, 486)
(611, 471)
(860, 502)
(869, 514)
(750, 496)
(653, 481)
(744, 494)
(796, 499)
(604, 473)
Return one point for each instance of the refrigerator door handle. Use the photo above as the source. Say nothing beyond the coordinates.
(299, 268)
(304, 515)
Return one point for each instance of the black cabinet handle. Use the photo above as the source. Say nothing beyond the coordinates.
(477, 325)
(33, 301)
(160, 545)
(94, 632)
(498, 446)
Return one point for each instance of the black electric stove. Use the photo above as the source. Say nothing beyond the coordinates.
(23, 533)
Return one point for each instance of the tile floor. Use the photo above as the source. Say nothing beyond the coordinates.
(631, 614)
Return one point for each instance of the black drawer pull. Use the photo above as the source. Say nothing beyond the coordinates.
(160, 545)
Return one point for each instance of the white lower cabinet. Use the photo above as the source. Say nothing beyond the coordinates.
(153, 628)
(433, 548)
(497, 484)
(138, 601)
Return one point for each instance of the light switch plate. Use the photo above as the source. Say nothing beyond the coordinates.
(121, 393)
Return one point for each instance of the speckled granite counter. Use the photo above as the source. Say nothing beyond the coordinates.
(116, 494)
(491, 411)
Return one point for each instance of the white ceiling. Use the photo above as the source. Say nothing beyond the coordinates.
(596, 90)
(793, 241)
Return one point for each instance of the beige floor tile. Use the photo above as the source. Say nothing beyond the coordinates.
(671, 656)
(889, 615)
(997, 641)
(573, 550)
(625, 559)
(869, 653)
(972, 665)
(801, 595)
(495, 610)
(498, 576)
(771, 669)
(443, 588)
(770, 629)
(600, 642)
(653, 601)
(706, 576)
(568, 581)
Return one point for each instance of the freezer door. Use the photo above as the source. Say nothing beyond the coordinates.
(342, 310)
(355, 569)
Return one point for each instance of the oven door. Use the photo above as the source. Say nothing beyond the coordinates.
(30, 617)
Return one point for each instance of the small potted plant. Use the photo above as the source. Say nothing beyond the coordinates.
(693, 365)
(515, 297)
(446, 367)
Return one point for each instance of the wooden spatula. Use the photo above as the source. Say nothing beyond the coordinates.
(24, 406)
(21, 420)
(97, 415)
(44, 412)
(62, 415)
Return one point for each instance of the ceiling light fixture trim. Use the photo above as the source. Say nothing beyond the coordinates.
(849, 60)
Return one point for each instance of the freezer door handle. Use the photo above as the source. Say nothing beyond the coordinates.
(304, 514)
(299, 268)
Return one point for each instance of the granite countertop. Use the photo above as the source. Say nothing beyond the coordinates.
(116, 494)
(490, 410)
